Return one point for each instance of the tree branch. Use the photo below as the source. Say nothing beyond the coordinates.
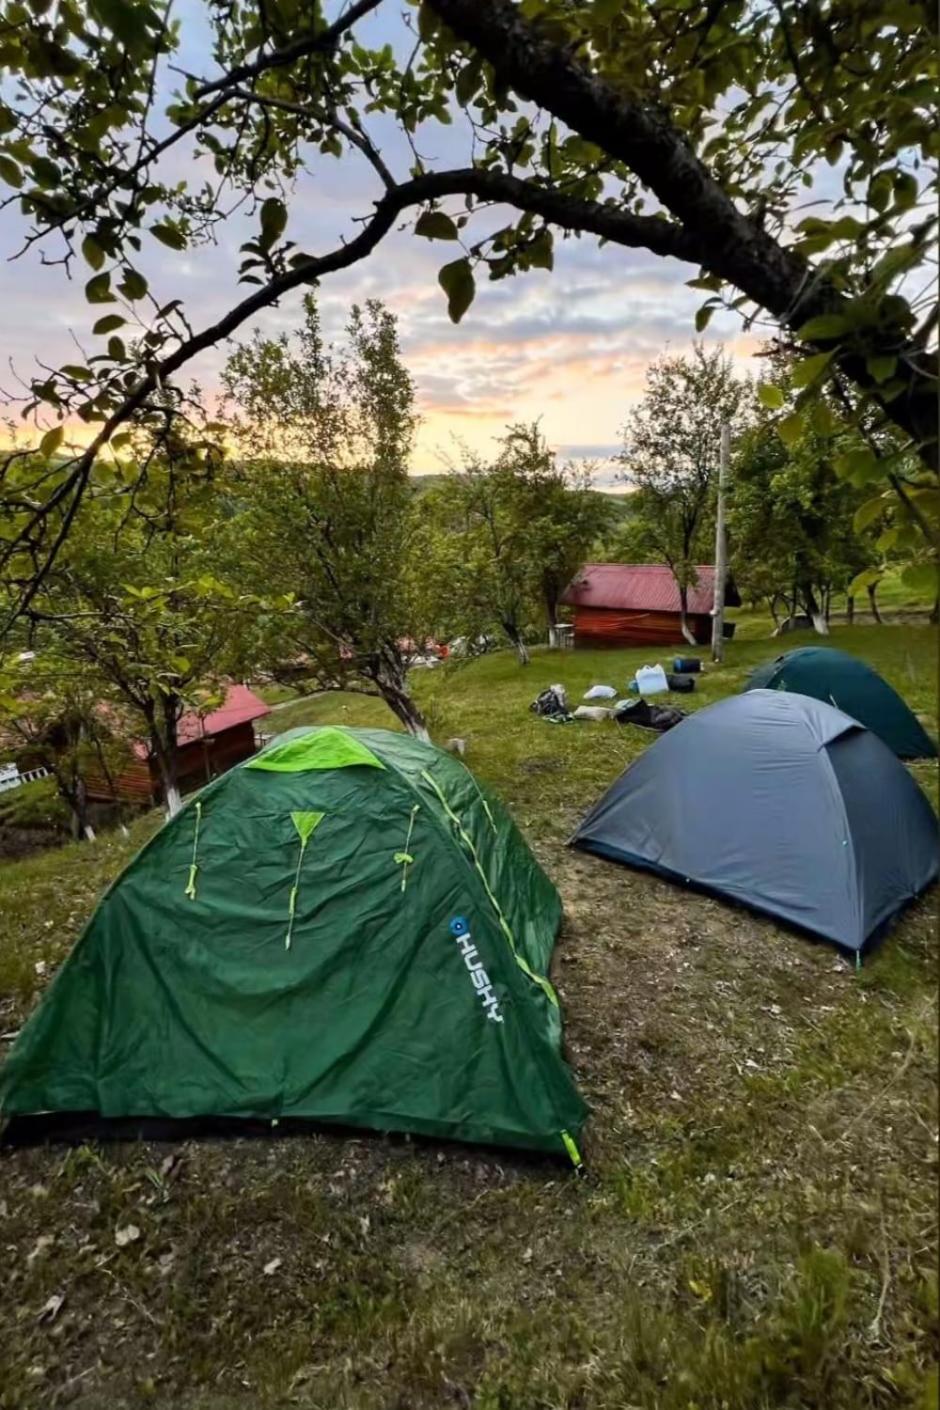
(728, 243)
(279, 58)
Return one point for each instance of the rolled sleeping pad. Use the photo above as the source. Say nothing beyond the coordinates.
(687, 665)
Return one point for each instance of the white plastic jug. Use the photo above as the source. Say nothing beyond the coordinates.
(650, 680)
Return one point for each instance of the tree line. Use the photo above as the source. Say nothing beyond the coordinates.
(286, 539)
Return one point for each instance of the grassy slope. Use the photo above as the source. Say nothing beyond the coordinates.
(757, 1229)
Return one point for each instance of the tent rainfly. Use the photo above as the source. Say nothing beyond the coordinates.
(852, 686)
(779, 802)
(345, 928)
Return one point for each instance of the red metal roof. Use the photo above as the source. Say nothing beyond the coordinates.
(239, 706)
(648, 587)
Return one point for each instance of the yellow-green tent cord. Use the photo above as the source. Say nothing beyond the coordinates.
(404, 859)
(486, 806)
(190, 890)
(305, 824)
(572, 1150)
(544, 984)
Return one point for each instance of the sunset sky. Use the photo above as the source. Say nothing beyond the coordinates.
(570, 347)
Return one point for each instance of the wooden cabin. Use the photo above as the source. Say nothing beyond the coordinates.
(637, 604)
(208, 745)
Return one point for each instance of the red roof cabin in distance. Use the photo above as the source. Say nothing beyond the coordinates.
(637, 604)
(208, 745)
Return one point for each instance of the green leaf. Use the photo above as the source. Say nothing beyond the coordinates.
(51, 441)
(770, 396)
(435, 225)
(456, 279)
(98, 290)
(864, 580)
(169, 235)
(858, 465)
(273, 221)
(94, 254)
(607, 10)
(126, 21)
(116, 349)
(905, 190)
(541, 252)
(881, 368)
(10, 172)
(809, 369)
(428, 23)
(846, 228)
(134, 285)
(468, 81)
(108, 324)
(868, 513)
(703, 317)
(823, 327)
(711, 282)
(921, 578)
(78, 374)
(879, 190)
(791, 428)
(824, 423)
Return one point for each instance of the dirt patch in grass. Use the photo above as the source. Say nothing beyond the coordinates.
(756, 1230)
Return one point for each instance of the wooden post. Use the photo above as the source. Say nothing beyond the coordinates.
(721, 549)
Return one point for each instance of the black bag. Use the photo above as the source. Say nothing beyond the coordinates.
(687, 665)
(684, 684)
(655, 717)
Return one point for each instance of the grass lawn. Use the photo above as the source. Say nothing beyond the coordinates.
(757, 1228)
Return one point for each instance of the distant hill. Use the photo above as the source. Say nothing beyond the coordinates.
(618, 503)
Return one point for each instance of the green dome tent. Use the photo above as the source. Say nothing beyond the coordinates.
(842, 680)
(346, 929)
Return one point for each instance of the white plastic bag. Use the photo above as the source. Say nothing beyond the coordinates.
(600, 692)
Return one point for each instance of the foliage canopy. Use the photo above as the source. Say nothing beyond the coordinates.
(704, 131)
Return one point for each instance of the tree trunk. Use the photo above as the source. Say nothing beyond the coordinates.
(74, 795)
(850, 610)
(515, 636)
(684, 615)
(816, 616)
(393, 688)
(872, 589)
(164, 752)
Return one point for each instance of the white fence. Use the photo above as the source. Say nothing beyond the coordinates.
(10, 776)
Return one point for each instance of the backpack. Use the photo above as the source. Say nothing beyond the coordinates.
(551, 703)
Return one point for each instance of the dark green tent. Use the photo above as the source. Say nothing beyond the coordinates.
(854, 688)
(346, 928)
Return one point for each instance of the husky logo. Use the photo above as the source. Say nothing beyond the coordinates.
(460, 930)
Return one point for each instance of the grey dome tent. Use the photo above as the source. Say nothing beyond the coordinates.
(781, 803)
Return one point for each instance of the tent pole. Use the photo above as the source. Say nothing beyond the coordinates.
(721, 549)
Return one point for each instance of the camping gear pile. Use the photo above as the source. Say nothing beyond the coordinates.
(346, 928)
(779, 800)
(653, 680)
(552, 703)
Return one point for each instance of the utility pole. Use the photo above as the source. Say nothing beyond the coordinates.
(721, 549)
